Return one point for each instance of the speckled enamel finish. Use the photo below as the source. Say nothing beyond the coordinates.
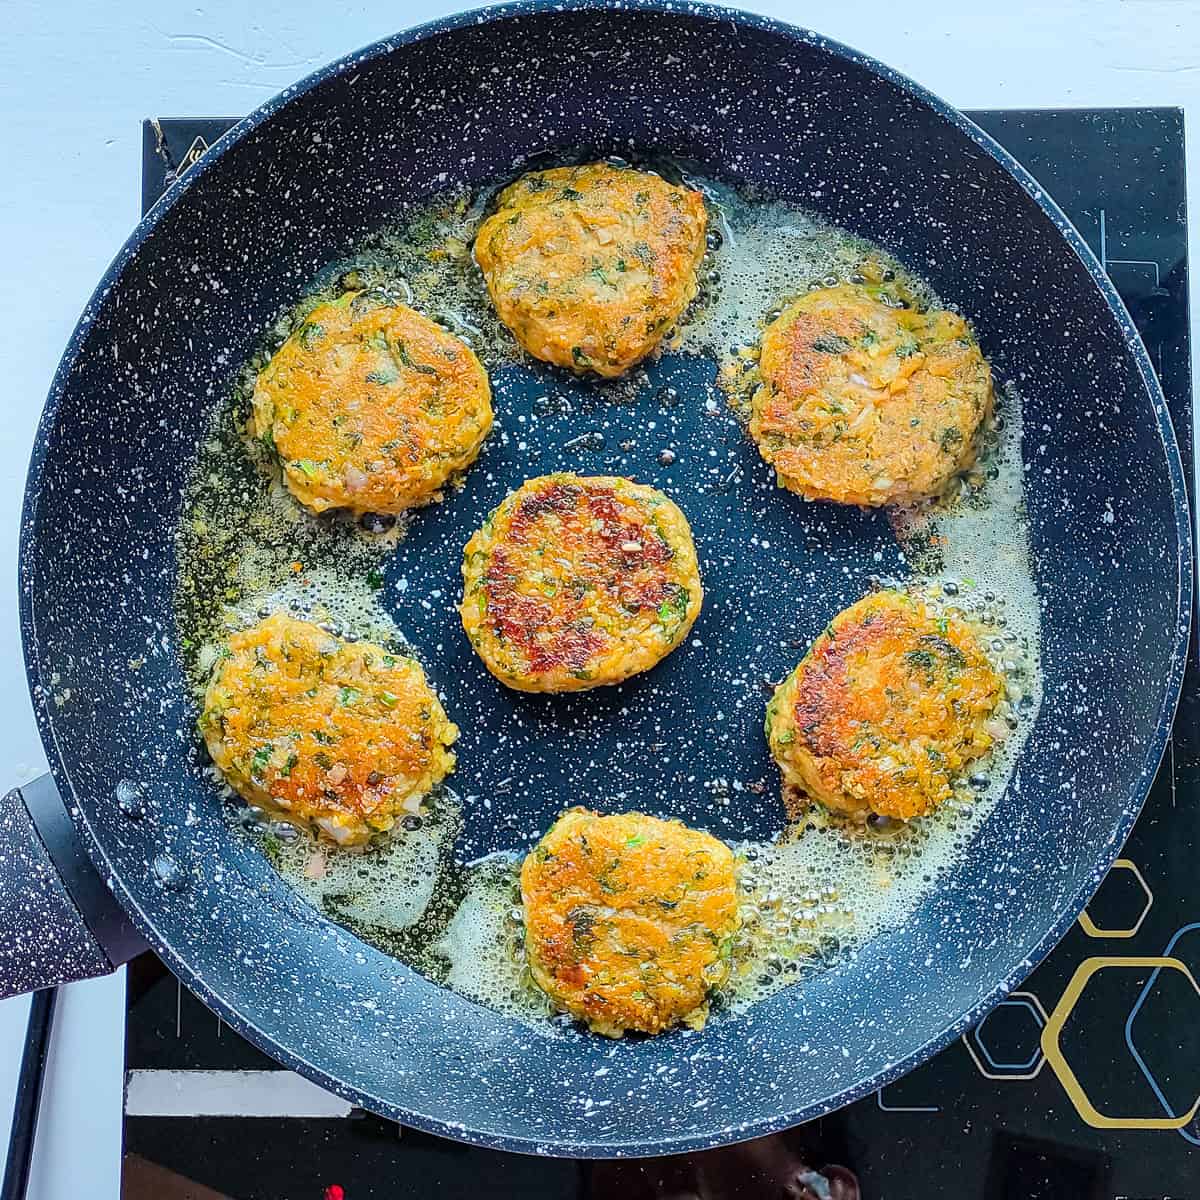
(295, 186)
(44, 938)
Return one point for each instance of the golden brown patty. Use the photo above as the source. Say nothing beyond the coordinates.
(342, 734)
(590, 266)
(891, 702)
(628, 919)
(371, 407)
(575, 581)
(864, 403)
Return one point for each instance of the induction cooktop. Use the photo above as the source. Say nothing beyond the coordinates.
(1083, 1083)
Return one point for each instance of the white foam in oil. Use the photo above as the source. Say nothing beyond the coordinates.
(484, 942)
(387, 889)
(767, 253)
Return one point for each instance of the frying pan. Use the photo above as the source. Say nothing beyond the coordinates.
(130, 837)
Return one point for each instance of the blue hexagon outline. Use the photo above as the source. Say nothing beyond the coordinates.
(1169, 952)
(1011, 1002)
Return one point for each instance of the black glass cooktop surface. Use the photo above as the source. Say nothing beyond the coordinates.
(1105, 1109)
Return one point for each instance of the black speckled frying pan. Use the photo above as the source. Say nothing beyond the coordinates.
(293, 187)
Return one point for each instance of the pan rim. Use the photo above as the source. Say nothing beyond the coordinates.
(634, 1146)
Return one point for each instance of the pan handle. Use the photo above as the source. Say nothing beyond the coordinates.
(58, 920)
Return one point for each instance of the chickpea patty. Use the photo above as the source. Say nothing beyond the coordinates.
(628, 920)
(371, 407)
(865, 403)
(574, 582)
(590, 266)
(343, 735)
(889, 704)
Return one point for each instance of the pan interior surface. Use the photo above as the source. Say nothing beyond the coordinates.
(301, 187)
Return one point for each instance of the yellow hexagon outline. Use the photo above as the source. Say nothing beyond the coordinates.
(1037, 1070)
(1093, 930)
(1055, 1057)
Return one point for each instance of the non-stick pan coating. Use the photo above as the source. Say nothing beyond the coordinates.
(295, 186)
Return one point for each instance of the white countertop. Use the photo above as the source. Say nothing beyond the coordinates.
(75, 81)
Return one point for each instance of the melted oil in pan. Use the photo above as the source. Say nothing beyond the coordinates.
(812, 895)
